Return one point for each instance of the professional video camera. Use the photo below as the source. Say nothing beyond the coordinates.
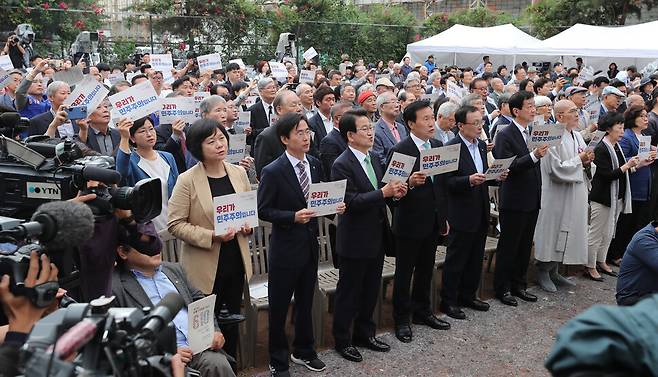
(12, 124)
(286, 47)
(38, 172)
(108, 341)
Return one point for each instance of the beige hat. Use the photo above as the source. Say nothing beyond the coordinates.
(384, 81)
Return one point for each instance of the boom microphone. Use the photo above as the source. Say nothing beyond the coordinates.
(162, 314)
(57, 225)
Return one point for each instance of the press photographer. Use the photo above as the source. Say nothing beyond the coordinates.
(15, 51)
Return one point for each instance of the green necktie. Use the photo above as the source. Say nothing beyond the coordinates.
(371, 172)
(427, 146)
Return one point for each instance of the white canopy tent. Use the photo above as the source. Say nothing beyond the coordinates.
(601, 45)
(465, 46)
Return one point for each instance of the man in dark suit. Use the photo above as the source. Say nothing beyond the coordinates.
(468, 215)
(491, 111)
(505, 117)
(57, 92)
(320, 123)
(519, 201)
(418, 220)
(100, 137)
(268, 145)
(333, 145)
(293, 253)
(361, 258)
(262, 111)
(141, 280)
(170, 138)
(388, 131)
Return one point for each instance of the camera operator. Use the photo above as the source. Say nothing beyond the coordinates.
(20, 311)
(142, 279)
(15, 51)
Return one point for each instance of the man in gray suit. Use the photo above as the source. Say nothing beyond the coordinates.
(141, 279)
(387, 131)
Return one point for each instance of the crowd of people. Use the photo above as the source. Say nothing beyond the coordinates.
(579, 203)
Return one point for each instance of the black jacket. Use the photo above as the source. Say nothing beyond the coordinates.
(604, 175)
(330, 148)
(165, 142)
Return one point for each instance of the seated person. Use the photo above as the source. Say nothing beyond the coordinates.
(638, 274)
(142, 279)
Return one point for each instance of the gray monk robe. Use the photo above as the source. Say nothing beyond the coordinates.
(561, 232)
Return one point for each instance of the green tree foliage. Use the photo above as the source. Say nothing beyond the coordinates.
(54, 19)
(481, 17)
(549, 17)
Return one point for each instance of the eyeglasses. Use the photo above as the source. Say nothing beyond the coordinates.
(365, 129)
(476, 124)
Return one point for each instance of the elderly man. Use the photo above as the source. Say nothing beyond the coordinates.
(333, 144)
(576, 94)
(305, 93)
(412, 85)
(384, 85)
(57, 92)
(396, 75)
(519, 74)
(435, 85)
(497, 88)
(611, 99)
(445, 121)
(268, 146)
(261, 112)
(388, 132)
(505, 118)
(9, 96)
(561, 232)
(634, 100)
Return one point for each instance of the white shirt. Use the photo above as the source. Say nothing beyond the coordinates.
(419, 143)
(328, 124)
(525, 137)
(266, 106)
(361, 158)
(158, 168)
(294, 161)
(475, 153)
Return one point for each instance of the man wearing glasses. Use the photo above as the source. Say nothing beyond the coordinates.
(388, 132)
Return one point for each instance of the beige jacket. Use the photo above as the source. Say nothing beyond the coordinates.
(191, 220)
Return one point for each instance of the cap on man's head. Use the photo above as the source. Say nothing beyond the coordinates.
(573, 90)
(364, 96)
(612, 90)
(385, 82)
(532, 68)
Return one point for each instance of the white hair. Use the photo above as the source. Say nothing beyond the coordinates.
(542, 101)
(447, 108)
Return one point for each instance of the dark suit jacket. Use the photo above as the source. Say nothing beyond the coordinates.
(468, 206)
(258, 121)
(39, 125)
(501, 120)
(604, 175)
(363, 231)
(93, 143)
(330, 148)
(423, 211)
(317, 126)
(165, 142)
(130, 294)
(279, 197)
(267, 148)
(521, 191)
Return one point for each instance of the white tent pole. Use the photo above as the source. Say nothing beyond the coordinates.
(454, 61)
(513, 63)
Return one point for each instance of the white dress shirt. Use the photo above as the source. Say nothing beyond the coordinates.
(307, 166)
(525, 137)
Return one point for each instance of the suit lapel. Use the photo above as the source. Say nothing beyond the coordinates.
(483, 155)
(202, 188)
(379, 173)
(467, 155)
(291, 176)
(386, 131)
(519, 137)
(134, 290)
(358, 170)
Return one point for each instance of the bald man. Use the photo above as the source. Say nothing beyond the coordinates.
(268, 146)
(561, 232)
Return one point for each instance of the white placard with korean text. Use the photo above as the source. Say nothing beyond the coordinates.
(5, 63)
(201, 323)
(5, 78)
(237, 148)
(135, 102)
(454, 91)
(399, 169)
(498, 167)
(198, 98)
(177, 107)
(593, 107)
(115, 78)
(162, 63)
(440, 160)
(310, 54)
(88, 93)
(644, 147)
(235, 211)
(244, 118)
(307, 75)
(550, 134)
(210, 61)
(324, 198)
(279, 70)
(597, 136)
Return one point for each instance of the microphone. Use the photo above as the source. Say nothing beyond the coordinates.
(162, 314)
(57, 225)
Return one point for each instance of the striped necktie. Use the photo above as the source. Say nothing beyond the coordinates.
(303, 178)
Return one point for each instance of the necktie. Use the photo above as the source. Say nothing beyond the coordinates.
(427, 146)
(303, 178)
(231, 131)
(269, 114)
(526, 135)
(370, 171)
(396, 134)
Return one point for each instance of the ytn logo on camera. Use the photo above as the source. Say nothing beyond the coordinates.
(42, 190)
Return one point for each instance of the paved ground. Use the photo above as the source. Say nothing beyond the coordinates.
(505, 341)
